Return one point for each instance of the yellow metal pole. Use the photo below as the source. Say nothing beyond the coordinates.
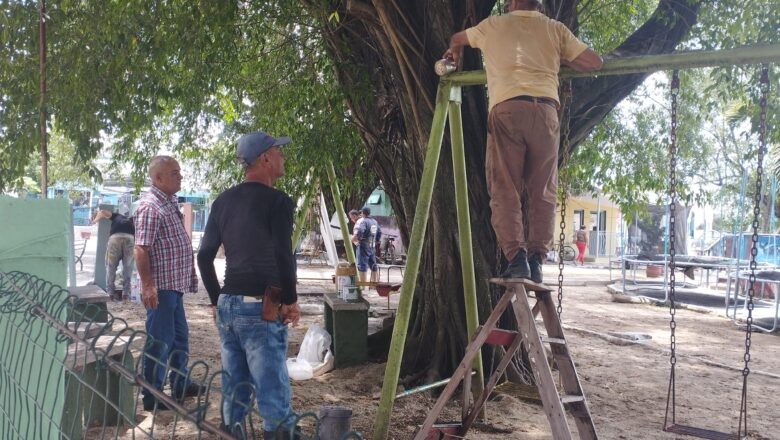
(414, 254)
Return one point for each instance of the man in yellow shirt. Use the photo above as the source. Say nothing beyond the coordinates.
(522, 53)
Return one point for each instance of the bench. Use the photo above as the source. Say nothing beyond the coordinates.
(79, 247)
(86, 329)
(93, 393)
(388, 268)
(78, 253)
(88, 303)
(347, 323)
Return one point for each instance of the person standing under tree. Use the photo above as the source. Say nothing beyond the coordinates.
(121, 240)
(522, 52)
(581, 240)
(365, 236)
(254, 222)
(165, 264)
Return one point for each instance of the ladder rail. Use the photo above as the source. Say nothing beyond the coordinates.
(532, 340)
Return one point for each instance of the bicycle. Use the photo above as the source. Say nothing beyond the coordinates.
(569, 253)
(387, 252)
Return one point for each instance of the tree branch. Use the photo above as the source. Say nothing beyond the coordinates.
(594, 98)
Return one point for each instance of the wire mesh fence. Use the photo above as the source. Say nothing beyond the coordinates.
(72, 370)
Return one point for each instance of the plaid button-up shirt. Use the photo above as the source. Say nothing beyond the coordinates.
(160, 225)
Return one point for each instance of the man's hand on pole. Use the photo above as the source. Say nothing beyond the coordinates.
(457, 41)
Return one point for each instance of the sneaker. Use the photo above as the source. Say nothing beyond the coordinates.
(535, 267)
(155, 405)
(190, 390)
(518, 267)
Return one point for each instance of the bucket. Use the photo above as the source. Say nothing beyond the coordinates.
(335, 421)
(350, 293)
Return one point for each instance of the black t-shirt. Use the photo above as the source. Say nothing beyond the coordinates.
(121, 223)
(254, 222)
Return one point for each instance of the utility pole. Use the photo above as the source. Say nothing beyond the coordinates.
(42, 100)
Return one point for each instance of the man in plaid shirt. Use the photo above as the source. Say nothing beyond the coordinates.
(164, 260)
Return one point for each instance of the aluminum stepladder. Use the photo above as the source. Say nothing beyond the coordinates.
(517, 293)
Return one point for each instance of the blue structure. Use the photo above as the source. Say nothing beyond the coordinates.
(738, 246)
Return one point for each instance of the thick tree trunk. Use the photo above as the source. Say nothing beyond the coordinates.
(384, 52)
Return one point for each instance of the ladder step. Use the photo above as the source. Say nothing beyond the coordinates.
(501, 337)
(549, 340)
(529, 285)
(443, 431)
(571, 398)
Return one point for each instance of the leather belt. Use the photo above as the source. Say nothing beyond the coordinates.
(540, 100)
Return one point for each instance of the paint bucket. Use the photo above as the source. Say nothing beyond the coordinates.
(335, 421)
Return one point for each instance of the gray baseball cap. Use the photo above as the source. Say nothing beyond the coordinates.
(252, 145)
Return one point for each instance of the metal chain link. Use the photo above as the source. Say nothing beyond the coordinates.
(563, 187)
(675, 91)
(764, 86)
(764, 90)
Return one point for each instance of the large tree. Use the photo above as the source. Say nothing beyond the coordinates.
(389, 48)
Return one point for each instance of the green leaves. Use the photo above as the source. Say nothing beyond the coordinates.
(187, 77)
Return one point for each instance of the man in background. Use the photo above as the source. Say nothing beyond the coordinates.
(365, 236)
(119, 248)
(121, 239)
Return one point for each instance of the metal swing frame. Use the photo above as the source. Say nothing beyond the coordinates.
(670, 423)
(448, 100)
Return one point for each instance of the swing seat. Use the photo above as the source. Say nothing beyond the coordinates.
(701, 433)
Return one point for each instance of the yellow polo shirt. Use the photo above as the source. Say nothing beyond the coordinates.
(522, 52)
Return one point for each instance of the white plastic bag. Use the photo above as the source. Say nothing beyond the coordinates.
(314, 357)
(315, 345)
(299, 369)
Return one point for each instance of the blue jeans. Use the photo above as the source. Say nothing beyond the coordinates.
(169, 343)
(366, 258)
(253, 359)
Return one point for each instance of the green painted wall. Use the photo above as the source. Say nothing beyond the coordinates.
(34, 237)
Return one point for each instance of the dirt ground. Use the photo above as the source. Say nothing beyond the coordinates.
(625, 385)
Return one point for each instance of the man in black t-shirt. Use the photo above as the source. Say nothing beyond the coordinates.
(120, 248)
(253, 221)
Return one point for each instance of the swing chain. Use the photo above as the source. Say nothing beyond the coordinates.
(764, 88)
(565, 116)
(675, 91)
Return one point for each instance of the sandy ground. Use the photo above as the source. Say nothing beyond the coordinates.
(625, 385)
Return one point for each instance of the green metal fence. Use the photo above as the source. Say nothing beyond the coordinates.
(65, 374)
